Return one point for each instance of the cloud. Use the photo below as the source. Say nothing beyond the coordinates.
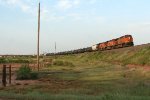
(25, 7)
(64, 4)
(52, 12)
(17, 3)
(76, 2)
(92, 1)
(31, 7)
(11, 1)
(67, 4)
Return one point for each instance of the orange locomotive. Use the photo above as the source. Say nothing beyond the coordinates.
(102, 46)
(123, 41)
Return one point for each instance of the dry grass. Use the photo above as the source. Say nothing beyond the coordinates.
(95, 76)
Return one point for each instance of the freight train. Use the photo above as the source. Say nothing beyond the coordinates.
(121, 42)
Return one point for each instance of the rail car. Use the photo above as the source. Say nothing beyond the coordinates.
(124, 41)
(121, 42)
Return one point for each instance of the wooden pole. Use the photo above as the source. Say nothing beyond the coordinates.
(9, 74)
(38, 37)
(4, 76)
(55, 50)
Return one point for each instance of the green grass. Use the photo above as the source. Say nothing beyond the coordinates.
(13, 60)
(108, 82)
(93, 76)
(46, 96)
(62, 63)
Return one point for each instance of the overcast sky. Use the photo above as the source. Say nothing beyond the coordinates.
(71, 24)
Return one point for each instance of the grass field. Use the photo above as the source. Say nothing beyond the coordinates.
(89, 76)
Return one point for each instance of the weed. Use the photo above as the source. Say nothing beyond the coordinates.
(63, 63)
(24, 73)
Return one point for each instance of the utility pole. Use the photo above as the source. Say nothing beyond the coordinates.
(55, 50)
(38, 41)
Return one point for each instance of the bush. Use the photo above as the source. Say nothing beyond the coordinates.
(33, 75)
(19, 61)
(68, 64)
(13, 60)
(63, 63)
(58, 63)
(25, 73)
(2, 60)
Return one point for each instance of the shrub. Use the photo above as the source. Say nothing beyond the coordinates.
(33, 75)
(19, 61)
(58, 63)
(13, 60)
(63, 63)
(25, 73)
(68, 64)
(2, 60)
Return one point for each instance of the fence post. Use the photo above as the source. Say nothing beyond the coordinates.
(4, 76)
(9, 74)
